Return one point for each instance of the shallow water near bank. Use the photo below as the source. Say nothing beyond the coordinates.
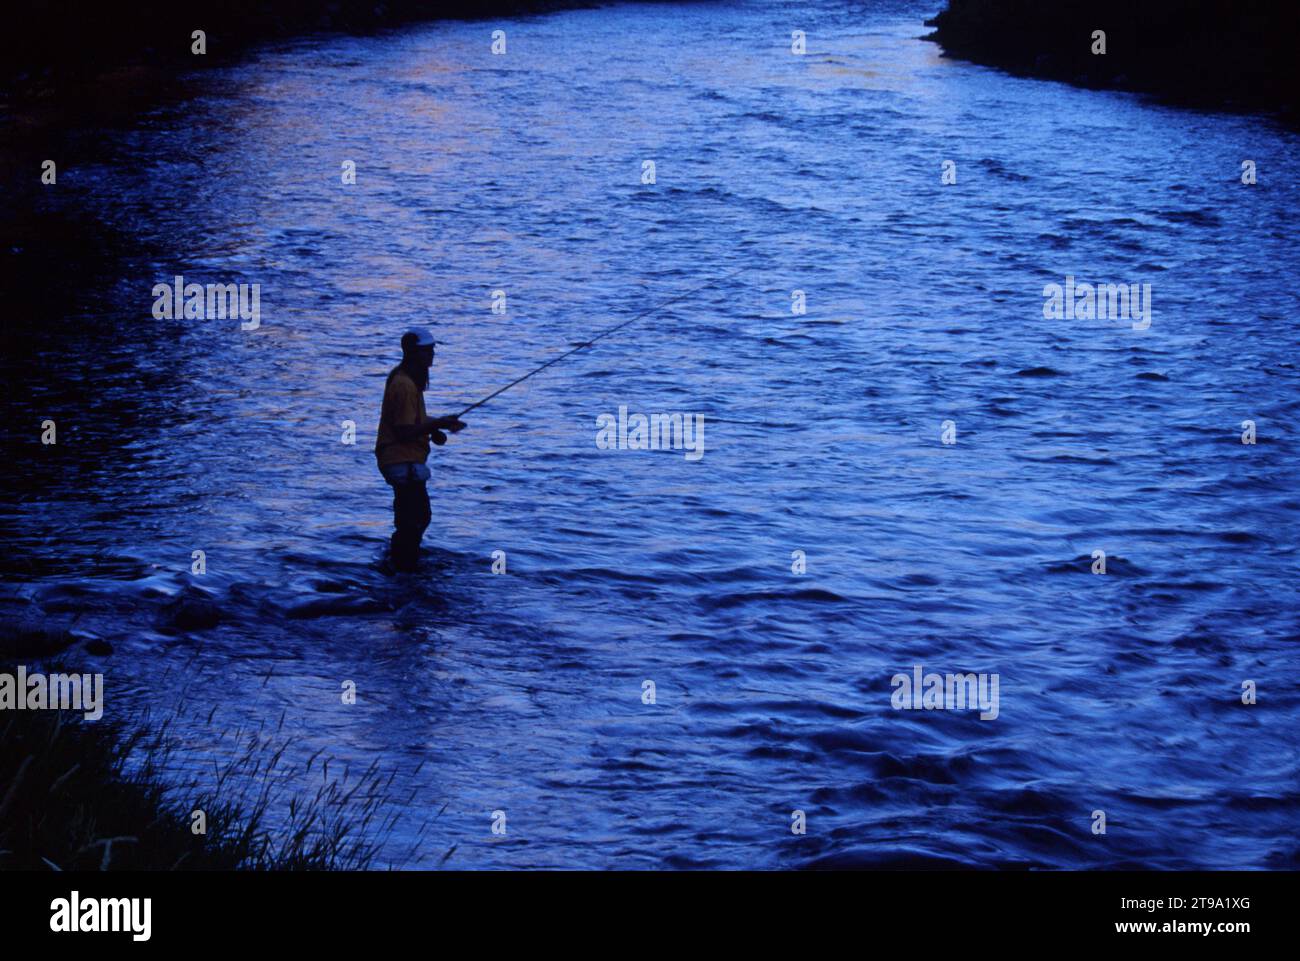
(522, 692)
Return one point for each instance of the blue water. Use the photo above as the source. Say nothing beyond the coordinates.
(522, 692)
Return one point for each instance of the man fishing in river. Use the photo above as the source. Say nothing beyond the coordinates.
(402, 446)
(405, 429)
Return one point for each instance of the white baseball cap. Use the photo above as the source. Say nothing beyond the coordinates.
(423, 336)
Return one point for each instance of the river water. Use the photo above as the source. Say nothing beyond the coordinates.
(524, 692)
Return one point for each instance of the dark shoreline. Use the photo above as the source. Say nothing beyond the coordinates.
(93, 795)
(1215, 54)
(61, 44)
(74, 62)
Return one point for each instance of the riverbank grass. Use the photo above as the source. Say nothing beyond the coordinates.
(78, 795)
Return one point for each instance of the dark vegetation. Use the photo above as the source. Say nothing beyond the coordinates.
(1237, 54)
(60, 45)
(87, 795)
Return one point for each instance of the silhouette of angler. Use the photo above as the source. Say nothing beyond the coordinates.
(402, 446)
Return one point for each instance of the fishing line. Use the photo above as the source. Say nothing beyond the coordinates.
(599, 336)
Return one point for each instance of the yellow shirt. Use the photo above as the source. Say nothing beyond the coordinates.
(403, 404)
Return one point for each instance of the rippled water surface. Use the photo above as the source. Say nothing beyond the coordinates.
(522, 692)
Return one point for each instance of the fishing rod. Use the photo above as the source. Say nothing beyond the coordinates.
(599, 336)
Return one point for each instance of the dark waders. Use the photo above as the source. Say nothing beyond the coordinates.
(411, 512)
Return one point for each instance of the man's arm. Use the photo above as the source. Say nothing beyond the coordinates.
(433, 426)
(451, 422)
(406, 420)
(436, 426)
